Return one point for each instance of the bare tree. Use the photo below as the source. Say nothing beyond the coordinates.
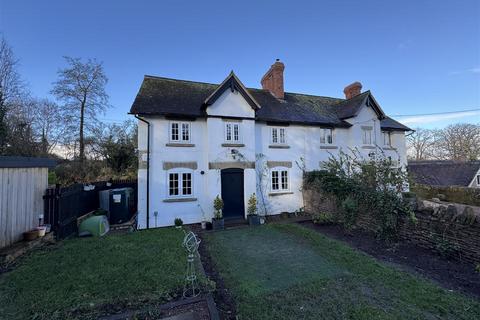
(11, 84)
(81, 86)
(460, 141)
(11, 87)
(116, 145)
(51, 123)
(421, 144)
(16, 133)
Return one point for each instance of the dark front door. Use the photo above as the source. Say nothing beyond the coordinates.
(232, 193)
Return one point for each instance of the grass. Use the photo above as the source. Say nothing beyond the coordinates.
(290, 272)
(80, 277)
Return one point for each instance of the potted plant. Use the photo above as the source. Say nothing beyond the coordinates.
(253, 218)
(218, 221)
(178, 223)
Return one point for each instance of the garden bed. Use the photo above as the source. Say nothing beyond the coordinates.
(450, 274)
(198, 308)
(224, 301)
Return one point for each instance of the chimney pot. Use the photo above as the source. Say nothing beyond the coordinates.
(273, 80)
(352, 90)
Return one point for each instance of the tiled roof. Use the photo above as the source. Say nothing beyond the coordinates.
(443, 173)
(171, 97)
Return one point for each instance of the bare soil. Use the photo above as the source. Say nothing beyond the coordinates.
(199, 309)
(450, 274)
(222, 296)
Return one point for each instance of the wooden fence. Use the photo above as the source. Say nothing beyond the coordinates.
(62, 206)
(21, 191)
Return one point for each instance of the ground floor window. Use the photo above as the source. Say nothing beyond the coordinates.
(279, 180)
(179, 184)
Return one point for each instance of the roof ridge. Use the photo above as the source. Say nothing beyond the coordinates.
(249, 88)
(182, 80)
(313, 95)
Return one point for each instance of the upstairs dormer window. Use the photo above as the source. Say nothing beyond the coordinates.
(387, 138)
(180, 132)
(326, 136)
(367, 135)
(232, 132)
(279, 136)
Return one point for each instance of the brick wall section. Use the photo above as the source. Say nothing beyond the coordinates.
(450, 229)
(273, 80)
(352, 90)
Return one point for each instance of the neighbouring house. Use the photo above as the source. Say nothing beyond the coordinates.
(445, 173)
(198, 140)
(23, 182)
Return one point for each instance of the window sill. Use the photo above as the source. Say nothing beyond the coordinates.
(273, 194)
(389, 148)
(278, 146)
(233, 145)
(368, 147)
(180, 200)
(328, 147)
(176, 144)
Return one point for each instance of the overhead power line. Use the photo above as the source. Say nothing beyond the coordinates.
(434, 113)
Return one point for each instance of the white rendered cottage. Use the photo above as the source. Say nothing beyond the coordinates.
(199, 140)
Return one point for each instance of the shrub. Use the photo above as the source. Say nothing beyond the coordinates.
(409, 195)
(323, 218)
(372, 186)
(178, 222)
(444, 246)
(52, 177)
(349, 211)
(218, 206)
(252, 205)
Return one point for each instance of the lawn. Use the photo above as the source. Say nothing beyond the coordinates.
(85, 276)
(285, 271)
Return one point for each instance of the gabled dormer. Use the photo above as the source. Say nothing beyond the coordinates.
(355, 101)
(231, 99)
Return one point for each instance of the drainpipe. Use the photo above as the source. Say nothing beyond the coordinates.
(148, 168)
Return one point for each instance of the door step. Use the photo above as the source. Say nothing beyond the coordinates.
(235, 222)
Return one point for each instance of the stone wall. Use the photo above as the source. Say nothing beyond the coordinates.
(450, 229)
(470, 196)
(315, 202)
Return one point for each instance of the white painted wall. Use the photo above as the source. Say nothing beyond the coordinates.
(231, 104)
(474, 183)
(207, 135)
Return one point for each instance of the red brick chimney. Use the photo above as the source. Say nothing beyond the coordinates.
(352, 90)
(273, 80)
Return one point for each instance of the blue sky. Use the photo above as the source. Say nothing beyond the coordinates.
(417, 57)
